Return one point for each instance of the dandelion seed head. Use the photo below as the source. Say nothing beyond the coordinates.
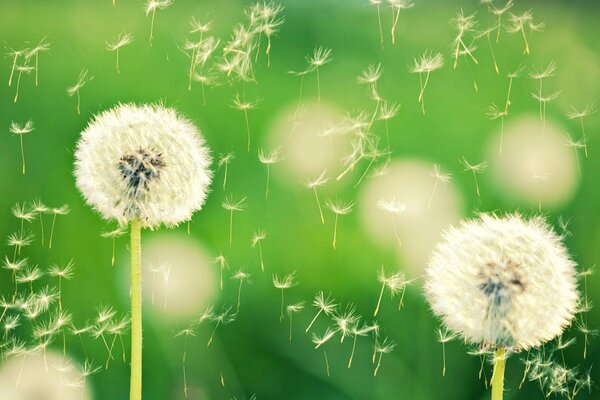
(428, 62)
(153, 5)
(270, 158)
(258, 236)
(122, 40)
(231, 205)
(21, 129)
(143, 162)
(81, 82)
(502, 281)
(286, 281)
(339, 207)
(391, 204)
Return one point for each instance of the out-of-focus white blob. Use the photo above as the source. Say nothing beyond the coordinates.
(43, 377)
(178, 280)
(537, 166)
(311, 141)
(407, 223)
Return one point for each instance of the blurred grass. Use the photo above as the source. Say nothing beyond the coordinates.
(253, 353)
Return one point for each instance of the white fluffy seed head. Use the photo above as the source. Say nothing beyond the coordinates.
(143, 162)
(503, 281)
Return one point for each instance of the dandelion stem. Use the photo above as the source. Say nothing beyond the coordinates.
(299, 97)
(37, 58)
(318, 88)
(379, 22)
(78, 103)
(22, 153)
(281, 315)
(326, 363)
(379, 301)
(498, 376)
(319, 205)
(191, 73)
(432, 193)
(152, 26)
(443, 359)
(335, 230)
(52, 231)
(239, 296)
(230, 227)
(247, 127)
(12, 71)
(262, 262)
(118, 70)
(353, 349)
(185, 387)
(136, 311)
(225, 177)
(18, 84)
(313, 320)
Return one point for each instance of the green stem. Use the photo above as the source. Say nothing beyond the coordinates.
(498, 377)
(136, 311)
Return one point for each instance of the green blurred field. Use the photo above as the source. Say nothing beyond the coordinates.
(252, 353)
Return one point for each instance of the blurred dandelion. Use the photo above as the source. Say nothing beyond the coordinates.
(588, 110)
(61, 272)
(345, 320)
(499, 12)
(221, 261)
(223, 318)
(463, 24)
(387, 112)
(232, 206)
(359, 330)
(318, 341)
(75, 89)
(271, 158)
(377, 3)
(426, 64)
(186, 333)
(285, 282)
(395, 283)
(122, 40)
(151, 7)
(575, 145)
(244, 106)
(338, 207)
(518, 23)
(40, 208)
(474, 169)
(439, 176)
(20, 130)
(395, 207)
(321, 180)
(397, 6)
(257, 238)
(224, 161)
(444, 336)
(487, 32)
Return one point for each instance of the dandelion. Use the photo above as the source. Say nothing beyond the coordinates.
(62, 210)
(474, 169)
(122, 40)
(382, 347)
(394, 283)
(338, 207)
(38, 207)
(291, 310)
(426, 64)
(440, 176)
(394, 206)
(26, 69)
(321, 180)
(42, 46)
(505, 282)
(463, 24)
(186, 333)
(257, 238)
(543, 100)
(244, 106)
(444, 336)
(224, 161)
(15, 54)
(23, 213)
(151, 7)
(493, 113)
(324, 305)
(232, 206)
(518, 23)
(18, 240)
(75, 89)
(575, 145)
(132, 164)
(268, 159)
(487, 32)
(221, 261)
(387, 112)
(282, 283)
(114, 234)
(240, 276)
(20, 130)
(499, 12)
(320, 57)
(345, 321)
(61, 272)
(356, 331)
(583, 328)
(318, 341)
(576, 114)
(268, 22)
(397, 6)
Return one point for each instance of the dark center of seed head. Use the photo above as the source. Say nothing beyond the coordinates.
(139, 169)
(500, 281)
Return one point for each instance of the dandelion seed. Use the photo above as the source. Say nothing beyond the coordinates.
(75, 89)
(321, 340)
(397, 6)
(540, 75)
(114, 234)
(282, 283)
(394, 206)
(267, 23)
(365, 145)
(42, 46)
(38, 207)
(291, 310)
(268, 159)
(444, 336)
(151, 7)
(15, 54)
(324, 305)
(576, 145)
(474, 169)
(395, 283)
(493, 112)
(440, 176)
(499, 12)
(230, 205)
(384, 347)
(338, 207)
(18, 240)
(575, 114)
(426, 64)
(320, 57)
(378, 4)
(244, 106)
(321, 180)
(186, 333)
(387, 112)
(518, 23)
(240, 276)
(20, 130)
(224, 161)
(487, 33)
(122, 40)
(583, 328)
(345, 321)
(223, 264)
(23, 213)
(463, 24)
(224, 318)
(61, 272)
(63, 210)
(22, 69)
(257, 238)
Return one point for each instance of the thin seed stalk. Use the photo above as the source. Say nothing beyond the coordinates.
(498, 377)
(136, 311)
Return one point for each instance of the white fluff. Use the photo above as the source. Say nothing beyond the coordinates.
(503, 281)
(143, 162)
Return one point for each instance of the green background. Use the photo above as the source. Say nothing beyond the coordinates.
(253, 352)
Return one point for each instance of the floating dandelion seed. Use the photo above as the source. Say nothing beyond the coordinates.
(387, 112)
(291, 310)
(359, 330)
(324, 305)
(38, 207)
(122, 40)
(382, 347)
(444, 336)
(268, 159)
(426, 64)
(377, 3)
(440, 176)
(318, 341)
(474, 169)
(397, 6)
(15, 54)
(230, 205)
(114, 234)
(75, 89)
(224, 161)
(42, 46)
(240, 276)
(505, 282)
(499, 12)
(186, 333)
(257, 238)
(132, 163)
(575, 145)
(487, 33)
(23, 213)
(244, 106)
(345, 320)
(22, 69)
(321, 180)
(463, 24)
(518, 23)
(20, 130)
(61, 272)
(543, 100)
(282, 283)
(395, 283)
(224, 318)
(320, 57)
(63, 210)
(338, 207)
(575, 114)
(18, 240)
(394, 206)
(223, 265)
(151, 7)
(494, 112)
(267, 22)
